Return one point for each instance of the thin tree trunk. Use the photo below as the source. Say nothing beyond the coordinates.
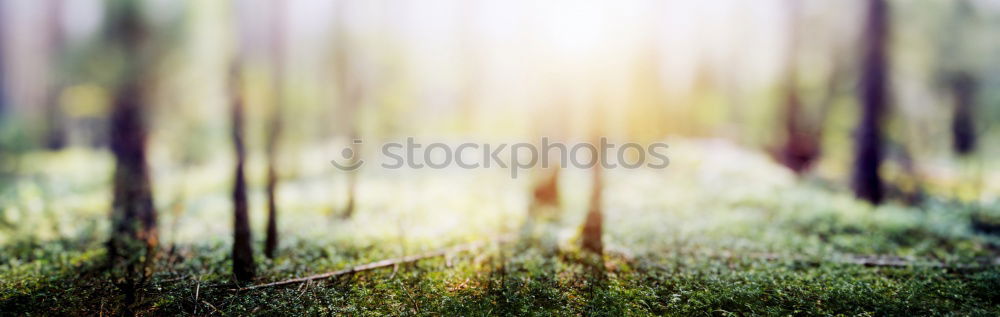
(278, 47)
(548, 170)
(872, 97)
(134, 237)
(961, 81)
(55, 137)
(352, 176)
(271, 241)
(132, 249)
(133, 217)
(349, 94)
(243, 263)
(546, 192)
(963, 87)
(801, 147)
(593, 225)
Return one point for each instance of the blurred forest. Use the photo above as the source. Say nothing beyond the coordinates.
(174, 157)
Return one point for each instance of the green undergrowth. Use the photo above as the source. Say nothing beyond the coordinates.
(512, 279)
(721, 232)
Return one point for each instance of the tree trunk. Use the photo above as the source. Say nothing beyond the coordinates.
(546, 192)
(55, 137)
(134, 237)
(801, 147)
(593, 225)
(243, 263)
(963, 87)
(872, 98)
(133, 200)
(278, 47)
(349, 94)
(271, 241)
(352, 176)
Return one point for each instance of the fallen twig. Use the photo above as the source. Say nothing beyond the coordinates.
(197, 289)
(864, 260)
(212, 307)
(896, 261)
(381, 264)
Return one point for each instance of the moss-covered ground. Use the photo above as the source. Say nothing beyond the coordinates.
(721, 232)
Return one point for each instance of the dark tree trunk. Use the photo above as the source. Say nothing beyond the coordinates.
(801, 147)
(55, 137)
(963, 126)
(133, 215)
(271, 241)
(134, 237)
(275, 127)
(133, 200)
(134, 234)
(243, 263)
(873, 98)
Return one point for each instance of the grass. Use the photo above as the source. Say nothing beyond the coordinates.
(686, 241)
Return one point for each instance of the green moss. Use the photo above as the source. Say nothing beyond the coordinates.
(703, 240)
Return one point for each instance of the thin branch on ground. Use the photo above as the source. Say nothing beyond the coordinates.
(383, 263)
(878, 260)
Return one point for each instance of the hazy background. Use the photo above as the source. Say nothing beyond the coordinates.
(481, 71)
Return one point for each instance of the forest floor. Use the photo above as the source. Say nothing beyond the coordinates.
(722, 231)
